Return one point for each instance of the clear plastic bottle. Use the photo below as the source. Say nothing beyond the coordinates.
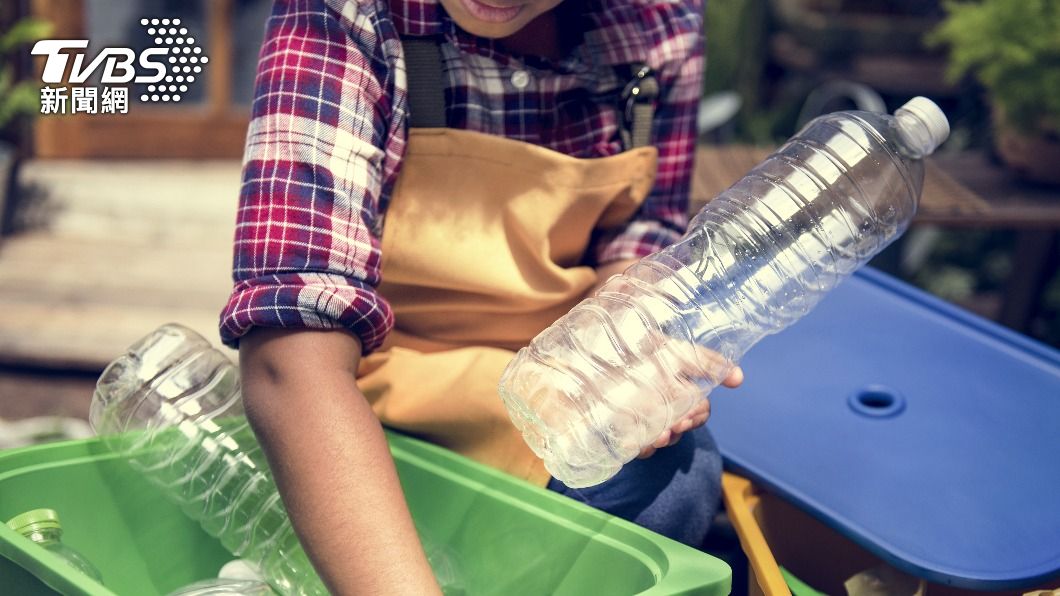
(236, 578)
(172, 406)
(43, 527)
(610, 376)
(225, 587)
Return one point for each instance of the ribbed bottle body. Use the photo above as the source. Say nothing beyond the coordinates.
(605, 380)
(765, 251)
(172, 407)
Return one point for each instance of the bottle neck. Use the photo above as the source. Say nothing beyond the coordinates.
(44, 536)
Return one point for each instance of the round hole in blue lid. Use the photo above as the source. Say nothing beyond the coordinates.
(876, 401)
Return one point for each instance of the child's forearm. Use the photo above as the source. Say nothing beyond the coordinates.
(331, 462)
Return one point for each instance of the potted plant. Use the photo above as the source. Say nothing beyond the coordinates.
(1012, 47)
(17, 99)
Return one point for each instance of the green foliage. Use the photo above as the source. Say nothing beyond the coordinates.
(1013, 48)
(18, 98)
(963, 263)
(736, 55)
(727, 30)
(973, 268)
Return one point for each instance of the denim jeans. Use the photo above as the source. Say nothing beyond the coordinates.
(675, 492)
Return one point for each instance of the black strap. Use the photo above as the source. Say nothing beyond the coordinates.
(426, 84)
(637, 108)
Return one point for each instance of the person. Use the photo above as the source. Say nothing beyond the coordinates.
(428, 184)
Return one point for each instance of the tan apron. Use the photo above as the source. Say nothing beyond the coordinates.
(481, 251)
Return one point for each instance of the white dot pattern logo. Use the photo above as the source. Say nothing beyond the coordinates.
(182, 50)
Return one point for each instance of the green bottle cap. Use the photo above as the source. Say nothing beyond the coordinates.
(34, 520)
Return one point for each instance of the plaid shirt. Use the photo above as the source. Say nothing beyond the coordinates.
(329, 127)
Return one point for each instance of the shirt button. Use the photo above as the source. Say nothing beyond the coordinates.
(520, 79)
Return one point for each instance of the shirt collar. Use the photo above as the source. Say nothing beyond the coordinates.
(613, 33)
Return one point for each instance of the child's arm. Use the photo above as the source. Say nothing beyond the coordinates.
(322, 148)
(330, 459)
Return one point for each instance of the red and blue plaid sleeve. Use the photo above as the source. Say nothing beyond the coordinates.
(317, 160)
(664, 215)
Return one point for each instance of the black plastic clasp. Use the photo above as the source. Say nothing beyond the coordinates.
(642, 88)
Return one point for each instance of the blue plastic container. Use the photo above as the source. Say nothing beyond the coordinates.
(928, 435)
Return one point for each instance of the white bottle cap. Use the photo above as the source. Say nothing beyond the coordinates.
(931, 117)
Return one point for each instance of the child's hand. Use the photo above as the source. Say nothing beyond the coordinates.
(695, 418)
(698, 415)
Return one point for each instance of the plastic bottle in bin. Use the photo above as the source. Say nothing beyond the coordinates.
(610, 376)
(43, 527)
(172, 406)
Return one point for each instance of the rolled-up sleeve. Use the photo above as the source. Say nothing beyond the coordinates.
(318, 158)
(663, 217)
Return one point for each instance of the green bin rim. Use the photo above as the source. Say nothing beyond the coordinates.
(679, 569)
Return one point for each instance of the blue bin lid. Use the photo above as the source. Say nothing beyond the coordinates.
(926, 434)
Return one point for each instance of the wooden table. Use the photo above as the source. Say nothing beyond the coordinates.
(944, 201)
(127, 246)
(961, 190)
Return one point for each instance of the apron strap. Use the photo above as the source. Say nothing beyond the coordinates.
(425, 74)
(638, 106)
(426, 83)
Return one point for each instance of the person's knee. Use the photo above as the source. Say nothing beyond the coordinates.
(675, 492)
(684, 509)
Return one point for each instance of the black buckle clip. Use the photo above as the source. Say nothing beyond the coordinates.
(642, 88)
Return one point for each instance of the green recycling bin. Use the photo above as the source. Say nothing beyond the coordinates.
(506, 536)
